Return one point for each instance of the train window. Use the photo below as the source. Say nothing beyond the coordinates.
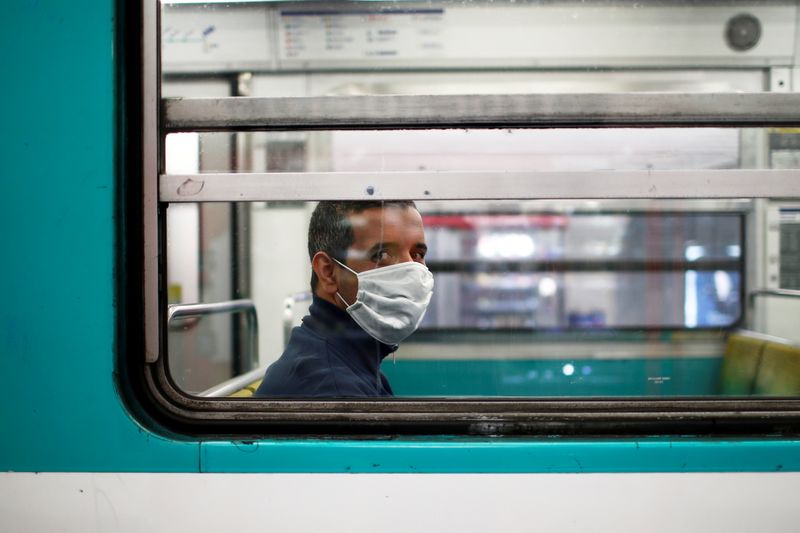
(516, 283)
(588, 235)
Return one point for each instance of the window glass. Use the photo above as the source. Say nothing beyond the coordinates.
(473, 150)
(532, 297)
(521, 288)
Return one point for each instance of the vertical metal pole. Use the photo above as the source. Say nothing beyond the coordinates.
(240, 232)
(152, 163)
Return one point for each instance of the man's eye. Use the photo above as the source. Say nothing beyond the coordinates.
(419, 256)
(380, 255)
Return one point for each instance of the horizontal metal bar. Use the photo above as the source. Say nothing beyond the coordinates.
(200, 309)
(483, 111)
(767, 338)
(227, 388)
(426, 185)
(566, 266)
(178, 311)
(782, 293)
(629, 207)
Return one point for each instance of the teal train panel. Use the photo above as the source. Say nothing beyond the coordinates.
(464, 455)
(60, 409)
(695, 376)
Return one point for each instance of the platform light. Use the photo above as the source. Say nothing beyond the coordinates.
(547, 287)
(690, 300)
(723, 285)
(694, 252)
(506, 246)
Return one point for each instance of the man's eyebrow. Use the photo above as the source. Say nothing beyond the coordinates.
(388, 245)
(380, 246)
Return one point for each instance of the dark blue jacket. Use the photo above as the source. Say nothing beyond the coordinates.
(329, 355)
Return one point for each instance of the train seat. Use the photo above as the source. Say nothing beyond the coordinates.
(247, 391)
(756, 364)
(741, 362)
(779, 371)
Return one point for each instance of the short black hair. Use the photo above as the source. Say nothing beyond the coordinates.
(330, 231)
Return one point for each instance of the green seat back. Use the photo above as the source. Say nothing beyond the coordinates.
(740, 364)
(779, 372)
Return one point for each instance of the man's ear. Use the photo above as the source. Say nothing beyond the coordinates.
(323, 267)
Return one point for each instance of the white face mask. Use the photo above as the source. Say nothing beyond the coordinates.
(391, 300)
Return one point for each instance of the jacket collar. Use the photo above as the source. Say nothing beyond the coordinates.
(337, 326)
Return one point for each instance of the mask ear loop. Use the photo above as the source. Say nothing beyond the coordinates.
(352, 271)
(342, 299)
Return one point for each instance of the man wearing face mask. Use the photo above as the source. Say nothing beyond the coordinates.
(370, 291)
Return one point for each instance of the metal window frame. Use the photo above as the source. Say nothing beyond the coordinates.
(466, 185)
(152, 167)
(587, 110)
(484, 416)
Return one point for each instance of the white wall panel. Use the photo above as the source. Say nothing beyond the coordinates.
(480, 34)
(348, 503)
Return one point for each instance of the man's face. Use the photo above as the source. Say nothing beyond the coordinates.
(381, 237)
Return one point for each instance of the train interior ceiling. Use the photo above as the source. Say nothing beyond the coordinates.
(533, 297)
